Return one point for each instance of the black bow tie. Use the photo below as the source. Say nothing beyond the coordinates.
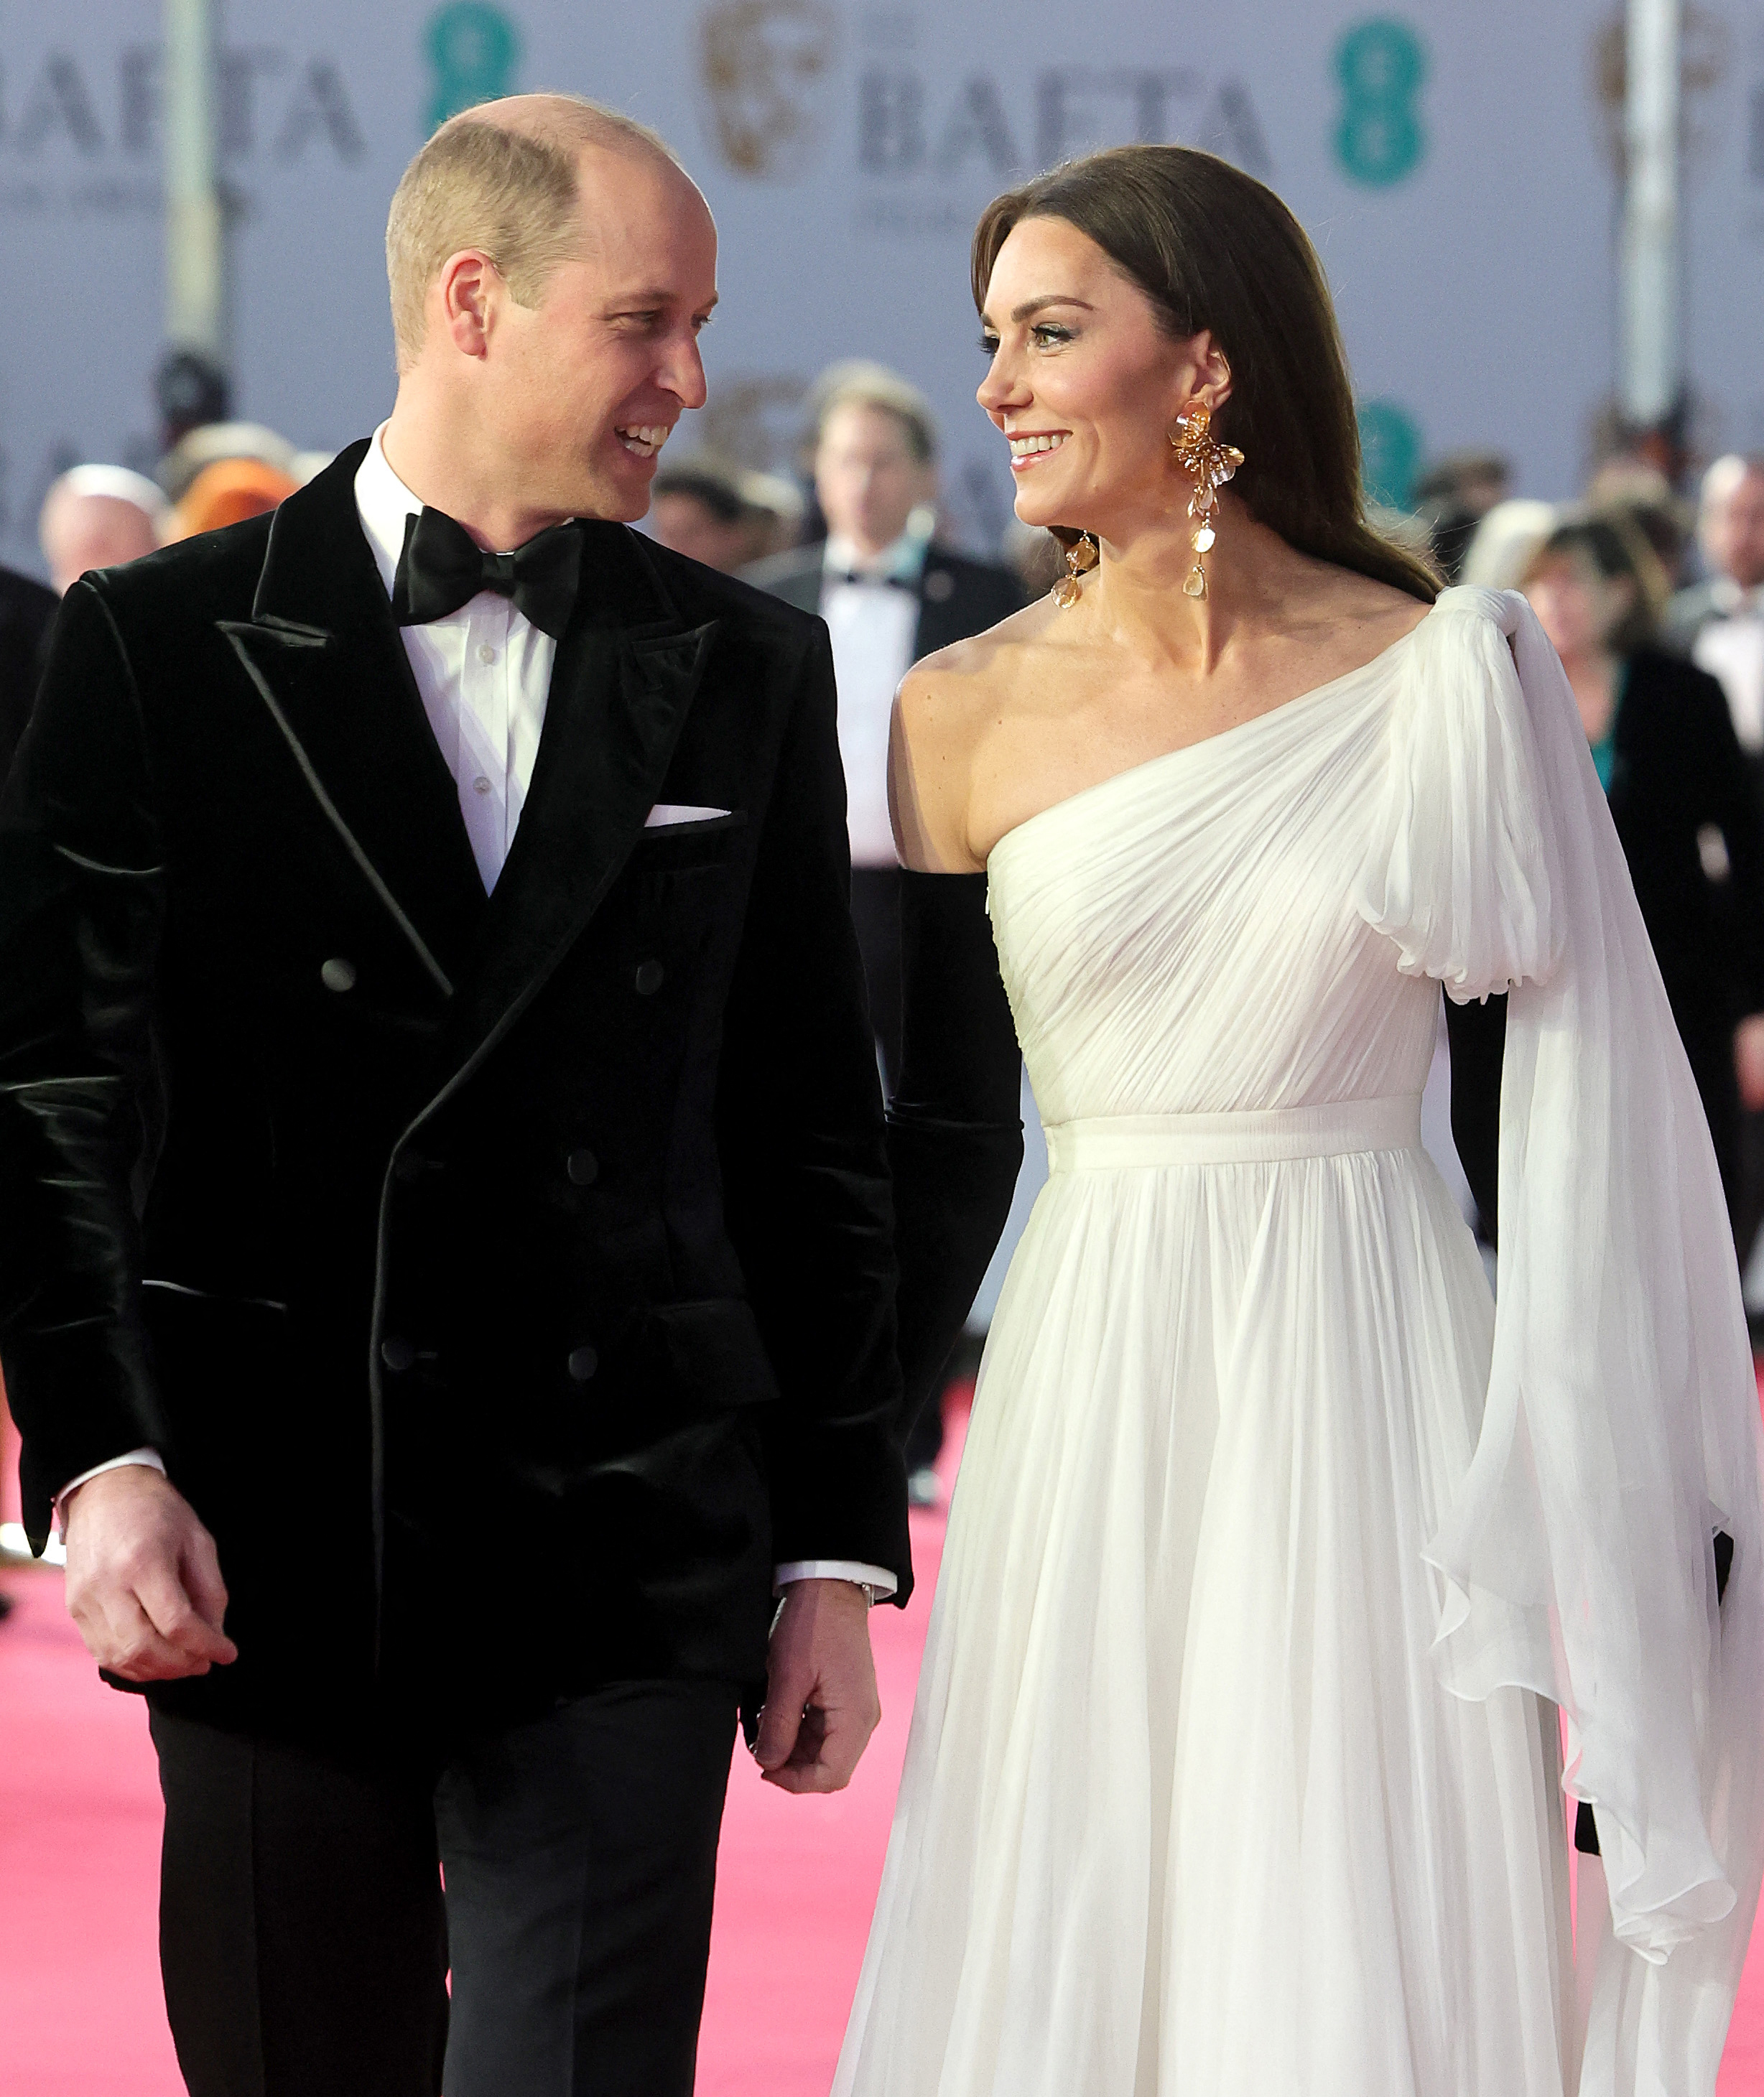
(441, 568)
(881, 582)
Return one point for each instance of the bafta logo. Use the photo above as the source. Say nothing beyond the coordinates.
(762, 63)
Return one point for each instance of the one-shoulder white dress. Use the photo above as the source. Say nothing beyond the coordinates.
(1236, 1769)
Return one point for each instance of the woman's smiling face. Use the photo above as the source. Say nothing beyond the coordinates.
(1085, 382)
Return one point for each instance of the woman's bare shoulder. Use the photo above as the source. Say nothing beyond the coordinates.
(944, 708)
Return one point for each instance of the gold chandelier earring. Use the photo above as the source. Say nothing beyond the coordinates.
(1081, 557)
(1212, 465)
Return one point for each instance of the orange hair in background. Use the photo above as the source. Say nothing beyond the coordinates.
(227, 493)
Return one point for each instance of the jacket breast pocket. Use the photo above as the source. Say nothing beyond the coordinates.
(680, 847)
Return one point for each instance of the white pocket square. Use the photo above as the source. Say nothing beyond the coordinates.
(665, 812)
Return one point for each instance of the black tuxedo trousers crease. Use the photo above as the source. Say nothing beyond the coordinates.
(394, 1214)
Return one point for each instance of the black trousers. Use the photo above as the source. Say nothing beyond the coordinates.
(305, 1942)
(876, 914)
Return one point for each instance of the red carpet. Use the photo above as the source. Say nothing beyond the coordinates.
(80, 2008)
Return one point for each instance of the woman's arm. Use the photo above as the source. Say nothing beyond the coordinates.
(930, 769)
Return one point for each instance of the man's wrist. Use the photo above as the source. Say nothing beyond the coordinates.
(876, 1581)
(150, 1459)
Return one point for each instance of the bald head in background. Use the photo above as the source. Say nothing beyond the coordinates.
(97, 517)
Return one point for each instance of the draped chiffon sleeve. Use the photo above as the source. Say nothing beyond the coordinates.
(1621, 1432)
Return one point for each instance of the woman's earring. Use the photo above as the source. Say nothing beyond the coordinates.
(1081, 557)
(1212, 464)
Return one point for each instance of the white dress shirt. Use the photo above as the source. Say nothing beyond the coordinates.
(1732, 648)
(873, 623)
(484, 674)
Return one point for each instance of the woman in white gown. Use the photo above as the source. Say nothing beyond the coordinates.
(1236, 1769)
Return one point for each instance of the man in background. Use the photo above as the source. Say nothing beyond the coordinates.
(890, 595)
(726, 516)
(1719, 622)
(97, 517)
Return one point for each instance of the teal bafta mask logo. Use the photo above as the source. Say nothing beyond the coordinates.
(1380, 67)
(472, 49)
(1389, 453)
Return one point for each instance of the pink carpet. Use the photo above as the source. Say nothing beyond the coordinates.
(80, 2008)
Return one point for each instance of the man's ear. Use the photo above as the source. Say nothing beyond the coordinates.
(467, 292)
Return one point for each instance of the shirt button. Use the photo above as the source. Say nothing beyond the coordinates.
(648, 978)
(480, 784)
(583, 1167)
(486, 653)
(583, 1362)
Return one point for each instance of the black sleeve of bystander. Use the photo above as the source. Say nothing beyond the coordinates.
(955, 1132)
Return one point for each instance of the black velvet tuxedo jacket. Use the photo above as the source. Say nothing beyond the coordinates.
(507, 1282)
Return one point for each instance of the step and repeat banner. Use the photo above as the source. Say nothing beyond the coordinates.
(1457, 167)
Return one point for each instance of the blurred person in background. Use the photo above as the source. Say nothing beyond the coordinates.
(207, 443)
(97, 517)
(227, 493)
(27, 611)
(1719, 622)
(727, 516)
(1632, 488)
(1505, 542)
(890, 596)
(1453, 497)
(1664, 747)
(93, 517)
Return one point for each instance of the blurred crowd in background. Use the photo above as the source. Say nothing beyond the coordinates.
(1651, 586)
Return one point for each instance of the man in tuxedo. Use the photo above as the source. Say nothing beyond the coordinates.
(1719, 622)
(890, 595)
(436, 1097)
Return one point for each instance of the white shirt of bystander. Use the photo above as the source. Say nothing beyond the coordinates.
(872, 610)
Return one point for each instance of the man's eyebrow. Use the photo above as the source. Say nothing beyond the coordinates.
(642, 302)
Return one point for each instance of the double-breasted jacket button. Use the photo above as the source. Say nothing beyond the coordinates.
(648, 978)
(582, 1364)
(397, 1353)
(583, 1166)
(338, 973)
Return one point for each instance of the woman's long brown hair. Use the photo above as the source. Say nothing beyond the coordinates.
(1211, 248)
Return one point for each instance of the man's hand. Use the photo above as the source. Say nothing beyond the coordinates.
(821, 1705)
(144, 1582)
(1749, 1061)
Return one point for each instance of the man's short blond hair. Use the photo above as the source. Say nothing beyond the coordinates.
(506, 185)
(857, 383)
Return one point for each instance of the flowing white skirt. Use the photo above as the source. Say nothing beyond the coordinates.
(1185, 1811)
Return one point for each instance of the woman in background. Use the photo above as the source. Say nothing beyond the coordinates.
(1663, 745)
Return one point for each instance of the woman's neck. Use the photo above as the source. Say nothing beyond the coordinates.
(1138, 592)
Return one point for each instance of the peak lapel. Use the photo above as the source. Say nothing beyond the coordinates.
(626, 672)
(323, 653)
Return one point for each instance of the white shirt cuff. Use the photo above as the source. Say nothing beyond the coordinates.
(150, 1457)
(834, 1569)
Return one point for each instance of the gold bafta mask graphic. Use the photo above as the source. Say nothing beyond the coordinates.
(762, 61)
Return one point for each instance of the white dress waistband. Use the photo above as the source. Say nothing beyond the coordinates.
(1115, 1143)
